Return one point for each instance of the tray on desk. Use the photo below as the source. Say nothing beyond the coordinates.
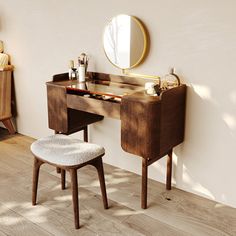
(104, 88)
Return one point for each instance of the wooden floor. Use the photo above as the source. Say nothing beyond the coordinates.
(172, 212)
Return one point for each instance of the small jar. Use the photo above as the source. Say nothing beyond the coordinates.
(149, 87)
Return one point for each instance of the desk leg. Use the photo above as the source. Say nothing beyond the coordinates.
(169, 170)
(144, 183)
(8, 124)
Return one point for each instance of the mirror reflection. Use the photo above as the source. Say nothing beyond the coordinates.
(125, 41)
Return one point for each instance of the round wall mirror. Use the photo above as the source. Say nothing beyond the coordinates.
(125, 41)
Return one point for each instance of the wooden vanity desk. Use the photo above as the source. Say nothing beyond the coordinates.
(151, 126)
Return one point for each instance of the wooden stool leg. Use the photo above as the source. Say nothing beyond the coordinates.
(8, 124)
(144, 183)
(99, 166)
(169, 170)
(74, 184)
(57, 168)
(86, 134)
(63, 179)
(37, 164)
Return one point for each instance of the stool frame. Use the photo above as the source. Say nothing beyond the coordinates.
(96, 162)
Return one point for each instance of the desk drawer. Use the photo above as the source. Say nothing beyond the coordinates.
(92, 105)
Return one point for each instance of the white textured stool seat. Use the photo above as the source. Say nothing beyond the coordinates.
(63, 150)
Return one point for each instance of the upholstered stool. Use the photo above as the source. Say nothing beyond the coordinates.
(68, 154)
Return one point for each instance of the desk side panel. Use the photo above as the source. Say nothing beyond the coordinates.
(140, 127)
(5, 94)
(57, 108)
(173, 103)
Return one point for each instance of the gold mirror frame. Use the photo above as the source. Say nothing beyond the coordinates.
(145, 40)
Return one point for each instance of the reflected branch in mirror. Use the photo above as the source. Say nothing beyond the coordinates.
(125, 41)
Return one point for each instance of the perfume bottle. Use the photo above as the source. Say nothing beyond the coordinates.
(82, 66)
(72, 70)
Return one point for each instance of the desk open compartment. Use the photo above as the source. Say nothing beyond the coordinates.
(93, 105)
(62, 118)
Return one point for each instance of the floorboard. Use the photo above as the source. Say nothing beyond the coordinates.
(174, 212)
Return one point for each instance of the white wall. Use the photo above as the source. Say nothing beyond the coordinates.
(198, 37)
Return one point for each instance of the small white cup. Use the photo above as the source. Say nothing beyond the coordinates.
(149, 87)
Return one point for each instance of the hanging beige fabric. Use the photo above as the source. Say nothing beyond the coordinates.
(4, 58)
(1, 46)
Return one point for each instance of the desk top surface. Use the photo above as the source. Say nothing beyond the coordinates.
(100, 87)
